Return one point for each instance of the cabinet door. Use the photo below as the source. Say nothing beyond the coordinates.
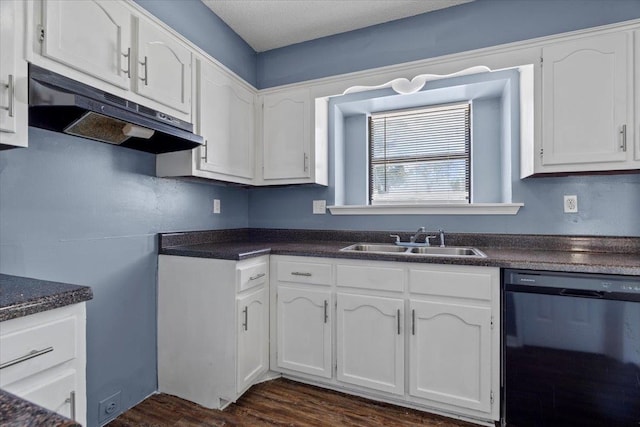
(163, 68)
(57, 394)
(304, 330)
(587, 100)
(252, 335)
(370, 342)
(636, 81)
(226, 122)
(92, 36)
(450, 354)
(13, 76)
(286, 135)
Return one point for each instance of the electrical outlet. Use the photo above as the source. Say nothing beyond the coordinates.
(571, 204)
(216, 206)
(319, 207)
(109, 408)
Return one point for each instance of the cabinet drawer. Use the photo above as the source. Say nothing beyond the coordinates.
(32, 350)
(304, 272)
(473, 284)
(252, 275)
(371, 277)
(57, 394)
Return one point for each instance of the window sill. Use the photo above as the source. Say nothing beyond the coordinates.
(435, 209)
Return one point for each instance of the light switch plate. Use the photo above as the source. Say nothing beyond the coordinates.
(216, 206)
(319, 207)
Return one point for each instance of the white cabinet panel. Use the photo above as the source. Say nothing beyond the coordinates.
(286, 135)
(226, 122)
(450, 354)
(58, 394)
(252, 331)
(636, 84)
(93, 36)
(13, 76)
(587, 102)
(304, 330)
(370, 342)
(163, 68)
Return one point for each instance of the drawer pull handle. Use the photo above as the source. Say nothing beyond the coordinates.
(257, 276)
(71, 400)
(298, 273)
(128, 56)
(30, 355)
(145, 64)
(398, 318)
(413, 322)
(623, 134)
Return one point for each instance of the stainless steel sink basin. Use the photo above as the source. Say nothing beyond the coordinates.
(367, 247)
(449, 251)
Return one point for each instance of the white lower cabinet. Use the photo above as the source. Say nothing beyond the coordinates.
(419, 335)
(450, 354)
(304, 330)
(43, 359)
(370, 342)
(213, 327)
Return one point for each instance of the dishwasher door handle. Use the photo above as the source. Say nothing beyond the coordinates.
(581, 293)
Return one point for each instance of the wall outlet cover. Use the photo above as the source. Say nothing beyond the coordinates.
(319, 207)
(109, 408)
(571, 204)
(216, 206)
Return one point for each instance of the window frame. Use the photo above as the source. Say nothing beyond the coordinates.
(465, 105)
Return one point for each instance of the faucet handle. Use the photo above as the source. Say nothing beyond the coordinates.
(426, 240)
(396, 236)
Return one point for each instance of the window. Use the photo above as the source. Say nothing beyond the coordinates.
(420, 155)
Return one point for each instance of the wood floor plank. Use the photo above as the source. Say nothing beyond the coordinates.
(280, 403)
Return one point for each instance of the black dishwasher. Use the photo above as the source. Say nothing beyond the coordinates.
(571, 349)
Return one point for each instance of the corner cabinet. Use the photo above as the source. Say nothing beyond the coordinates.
(43, 358)
(420, 335)
(213, 323)
(13, 76)
(588, 121)
(290, 153)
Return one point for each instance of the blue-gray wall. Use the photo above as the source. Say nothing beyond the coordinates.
(608, 205)
(85, 212)
(468, 26)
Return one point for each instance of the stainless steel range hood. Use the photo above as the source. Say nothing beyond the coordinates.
(60, 104)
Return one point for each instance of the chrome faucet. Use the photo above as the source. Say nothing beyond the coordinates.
(441, 231)
(413, 238)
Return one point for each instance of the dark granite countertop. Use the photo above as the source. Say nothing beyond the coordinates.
(21, 296)
(17, 412)
(586, 254)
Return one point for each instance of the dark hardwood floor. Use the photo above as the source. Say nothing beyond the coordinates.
(280, 402)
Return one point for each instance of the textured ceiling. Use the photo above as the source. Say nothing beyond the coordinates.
(269, 24)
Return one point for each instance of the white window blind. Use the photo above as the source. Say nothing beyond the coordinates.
(420, 156)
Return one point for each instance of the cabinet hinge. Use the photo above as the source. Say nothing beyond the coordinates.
(541, 152)
(491, 397)
(40, 33)
(491, 322)
(541, 60)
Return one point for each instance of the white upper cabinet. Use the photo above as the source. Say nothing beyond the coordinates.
(636, 82)
(115, 46)
(225, 112)
(286, 134)
(92, 36)
(587, 104)
(163, 67)
(13, 76)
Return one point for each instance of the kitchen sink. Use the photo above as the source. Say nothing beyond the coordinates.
(448, 251)
(366, 247)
